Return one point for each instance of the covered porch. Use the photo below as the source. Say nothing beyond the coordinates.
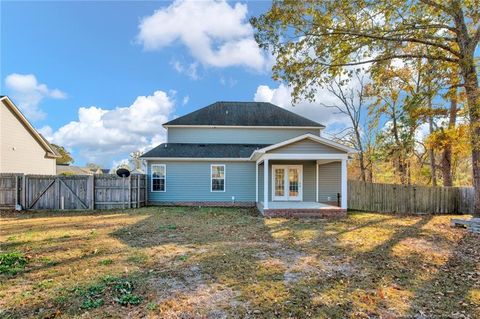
(302, 178)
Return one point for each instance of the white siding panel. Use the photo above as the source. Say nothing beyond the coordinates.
(19, 151)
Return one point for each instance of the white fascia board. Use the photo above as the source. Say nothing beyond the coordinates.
(302, 157)
(315, 138)
(200, 159)
(246, 127)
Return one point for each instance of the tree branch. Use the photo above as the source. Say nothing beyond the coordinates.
(390, 39)
(391, 57)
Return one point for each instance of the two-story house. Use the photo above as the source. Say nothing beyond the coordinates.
(249, 154)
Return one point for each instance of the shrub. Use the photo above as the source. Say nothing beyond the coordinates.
(12, 263)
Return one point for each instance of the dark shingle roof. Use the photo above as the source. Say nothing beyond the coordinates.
(244, 114)
(203, 150)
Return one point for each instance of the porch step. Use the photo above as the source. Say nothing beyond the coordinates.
(300, 213)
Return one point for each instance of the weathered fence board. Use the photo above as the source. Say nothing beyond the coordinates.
(410, 199)
(73, 192)
(10, 184)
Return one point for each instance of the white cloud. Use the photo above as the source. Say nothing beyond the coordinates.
(185, 100)
(190, 69)
(27, 93)
(216, 33)
(231, 82)
(281, 96)
(101, 135)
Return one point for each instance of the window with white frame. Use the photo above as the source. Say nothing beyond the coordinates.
(159, 177)
(218, 178)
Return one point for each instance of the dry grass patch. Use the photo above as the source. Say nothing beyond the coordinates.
(222, 263)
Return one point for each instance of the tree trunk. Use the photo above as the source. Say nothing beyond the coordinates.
(361, 155)
(467, 66)
(471, 88)
(431, 154)
(447, 172)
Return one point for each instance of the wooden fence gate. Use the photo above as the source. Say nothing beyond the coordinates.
(76, 192)
(58, 192)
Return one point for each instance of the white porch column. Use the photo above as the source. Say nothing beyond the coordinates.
(265, 184)
(344, 184)
(316, 181)
(256, 182)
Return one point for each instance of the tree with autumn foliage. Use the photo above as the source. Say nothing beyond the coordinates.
(314, 41)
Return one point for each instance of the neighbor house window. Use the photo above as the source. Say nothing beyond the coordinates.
(159, 177)
(218, 178)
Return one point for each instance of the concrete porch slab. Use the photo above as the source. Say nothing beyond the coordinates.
(301, 209)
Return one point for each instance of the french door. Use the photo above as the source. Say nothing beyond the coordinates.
(287, 182)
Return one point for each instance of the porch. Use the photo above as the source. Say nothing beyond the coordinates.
(306, 177)
(301, 209)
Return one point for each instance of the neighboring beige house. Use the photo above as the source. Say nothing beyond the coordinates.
(22, 148)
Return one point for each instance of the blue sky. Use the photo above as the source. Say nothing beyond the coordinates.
(101, 77)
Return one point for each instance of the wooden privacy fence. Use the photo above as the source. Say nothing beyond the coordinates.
(74, 192)
(410, 199)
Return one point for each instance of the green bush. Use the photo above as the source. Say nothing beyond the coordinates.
(12, 263)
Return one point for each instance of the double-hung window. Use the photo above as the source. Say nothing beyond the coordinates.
(217, 173)
(159, 177)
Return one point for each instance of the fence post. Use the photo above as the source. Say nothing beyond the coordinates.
(138, 191)
(57, 193)
(146, 189)
(130, 191)
(91, 191)
(24, 192)
(414, 200)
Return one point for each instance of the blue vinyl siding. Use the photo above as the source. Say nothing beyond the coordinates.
(190, 181)
(234, 135)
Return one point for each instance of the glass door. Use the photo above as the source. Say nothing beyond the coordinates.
(279, 183)
(287, 182)
(294, 183)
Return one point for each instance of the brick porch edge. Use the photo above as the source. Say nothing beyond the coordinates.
(298, 213)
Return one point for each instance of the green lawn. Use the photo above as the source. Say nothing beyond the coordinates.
(221, 263)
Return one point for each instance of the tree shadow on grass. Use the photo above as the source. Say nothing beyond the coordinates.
(448, 292)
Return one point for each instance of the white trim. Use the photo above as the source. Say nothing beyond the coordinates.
(256, 182)
(224, 178)
(286, 196)
(344, 185)
(312, 137)
(265, 184)
(303, 156)
(245, 127)
(316, 182)
(200, 159)
(323, 162)
(165, 178)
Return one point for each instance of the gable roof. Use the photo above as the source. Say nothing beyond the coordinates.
(49, 149)
(243, 114)
(184, 150)
(312, 137)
